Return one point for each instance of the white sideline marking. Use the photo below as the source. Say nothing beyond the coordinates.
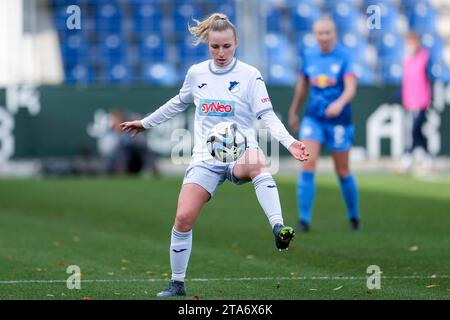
(228, 279)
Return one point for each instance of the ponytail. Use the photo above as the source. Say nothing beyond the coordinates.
(215, 22)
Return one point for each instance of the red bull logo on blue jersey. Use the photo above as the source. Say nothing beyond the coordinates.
(323, 81)
(216, 108)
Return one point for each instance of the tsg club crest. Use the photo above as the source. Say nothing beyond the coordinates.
(234, 87)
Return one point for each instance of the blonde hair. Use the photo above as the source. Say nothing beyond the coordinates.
(215, 22)
(325, 19)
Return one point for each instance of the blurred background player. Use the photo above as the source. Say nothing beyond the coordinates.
(327, 72)
(126, 155)
(416, 96)
(226, 80)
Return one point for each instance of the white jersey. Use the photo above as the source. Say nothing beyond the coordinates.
(237, 93)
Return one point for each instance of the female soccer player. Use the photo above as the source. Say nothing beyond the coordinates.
(222, 80)
(327, 72)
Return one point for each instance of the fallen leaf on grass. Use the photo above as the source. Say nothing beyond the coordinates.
(56, 243)
(117, 293)
(433, 286)
(50, 295)
(87, 298)
(249, 257)
(414, 248)
(61, 264)
(294, 274)
(123, 268)
(149, 272)
(312, 289)
(110, 273)
(124, 261)
(338, 288)
(165, 274)
(195, 298)
(433, 276)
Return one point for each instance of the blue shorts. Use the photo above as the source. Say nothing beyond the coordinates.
(336, 138)
(210, 174)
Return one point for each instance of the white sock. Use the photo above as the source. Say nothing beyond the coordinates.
(180, 251)
(267, 194)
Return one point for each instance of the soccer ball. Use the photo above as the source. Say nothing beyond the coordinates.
(226, 142)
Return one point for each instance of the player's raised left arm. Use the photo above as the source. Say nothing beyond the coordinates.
(262, 107)
(279, 132)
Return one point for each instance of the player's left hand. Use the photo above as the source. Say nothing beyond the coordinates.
(334, 109)
(298, 150)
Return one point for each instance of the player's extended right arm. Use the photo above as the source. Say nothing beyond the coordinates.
(167, 111)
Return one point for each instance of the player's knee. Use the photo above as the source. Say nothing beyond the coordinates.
(342, 171)
(255, 170)
(309, 165)
(184, 221)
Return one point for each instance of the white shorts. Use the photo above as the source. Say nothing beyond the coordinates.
(209, 174)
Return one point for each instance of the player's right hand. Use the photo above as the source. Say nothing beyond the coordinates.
(293, 122)
(135, 127)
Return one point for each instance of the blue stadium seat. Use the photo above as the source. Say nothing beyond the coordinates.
(390, 46)
(422, 17)
(273, 17)
(434, 44)
(305, 40)
(152, 47)
(364, 73)
(108, 18)
(160, 73)
(183, 14)
(391, 72)
(119, 73)
(282, 74)
(190, 52)
(112, 49)
(79, 73)
(439, 70)
(279, 48)
(226, 7)
(356, 44)
(343, 13)
(75, 49)
(304, 15)
(147, 17)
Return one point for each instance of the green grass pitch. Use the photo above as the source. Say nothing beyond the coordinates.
(118, 231)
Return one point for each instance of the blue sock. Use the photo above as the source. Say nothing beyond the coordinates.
(349, 191)
(306, 190)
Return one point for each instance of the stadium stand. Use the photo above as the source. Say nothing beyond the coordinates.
(146, 41)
